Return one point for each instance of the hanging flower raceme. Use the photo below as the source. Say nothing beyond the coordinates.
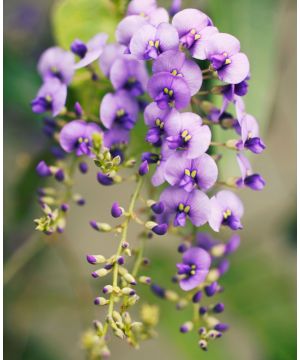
(171, 62)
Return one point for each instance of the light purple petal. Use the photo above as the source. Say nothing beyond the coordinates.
(138, 7)
(236, 71)
(229, 200)
(111, 52)
(222, 43)
(244, 165)
(171, 197)
(153, 112)
(56, 62)
(192, 282)
(128, 68)
(240, 108)
(94, 49)
(207, 171)
(200, 207)
(116, 135)
(158, 177)
(167, 36)
(158, 16)
(160, 81)
(198, 49)
(249, 127)
(129, 26)
(175, 60)
(216, 214)
(140, 41)
(186, 20)
(70, 134)
(175, 166)
(111, 103)
(200, 141)
(198, 257)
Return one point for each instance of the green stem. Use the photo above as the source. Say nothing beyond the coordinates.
(119, 250)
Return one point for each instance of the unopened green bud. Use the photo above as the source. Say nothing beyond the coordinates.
(130, 163)
(128, 291)
(150, 225)
(98, 327)
(126, 318)
(212, 275)
(101, 301)
(218, 250)
(133, 300)
(100, 273)
(129, 278)
(136, 326)
(119, 333)
(171, 295)
(232, 144)
(203, 344)
(47, 200)
(145, 280)
(117, 316)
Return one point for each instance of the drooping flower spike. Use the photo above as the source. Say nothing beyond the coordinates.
(223, 52)
(51, 97)
(248, 178)
(57, 63)
(194, 29)
(149, 42)
(180, 204)
(225, 209)
(89, 52)
(176, 63)
(119, 109)
(77, 136)
(185, 132)
(194, 268)
(187, 173)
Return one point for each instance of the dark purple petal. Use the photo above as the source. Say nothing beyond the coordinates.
(43, 169)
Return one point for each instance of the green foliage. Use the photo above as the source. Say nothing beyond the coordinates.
(83, 19)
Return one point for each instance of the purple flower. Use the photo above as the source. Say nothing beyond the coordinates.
(50, 97)
(116, 136)
(129, 26)
(232, 244)
(179, 203)
(149, 41)
(56, 63)
(253, 181)
(155, 119)
(176, 63)
(43, 169)
(90, 51)
(226, 209)
(205, 241)
(77, 136)
(129, 74)
(194, 268)
(223, 51)
(250, 135)
(185, 132)
(159, 175)
(111, 52)
(188, 173)
(169, 91)
(194, 29)
(119, 108)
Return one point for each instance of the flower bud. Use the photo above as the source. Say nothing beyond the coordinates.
(186, 327)
(203, 344)
(136, 326)
(132, 300)
(103, 227)
(157, 290)
(183, 247)
(182, 303)
(117, 316)
(83, 167)
(223, 266)
(104, 179)
(232, 144)
(129, 278)
(144, 168)
(43, 169)
(101, 301)
(197, 297)
(119, 333)
(202, 310)
(158, 229)
(98, 327)
(108, 289)
(171, 295)
(121, 260)
(145, 280)
(95, 259)
(78, 109)
(211, 289)
(158, 208)
(60, 175)
(64, 207)
(218, 308)
(221, 327)
(218, 250)
(116, 210)
(126, 318)
(100, 273)
(128, 291)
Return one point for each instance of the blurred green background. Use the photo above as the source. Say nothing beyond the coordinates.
(48, 303)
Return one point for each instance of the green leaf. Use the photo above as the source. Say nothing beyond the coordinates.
(83, 19)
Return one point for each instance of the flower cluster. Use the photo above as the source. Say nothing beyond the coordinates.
(166, 67)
